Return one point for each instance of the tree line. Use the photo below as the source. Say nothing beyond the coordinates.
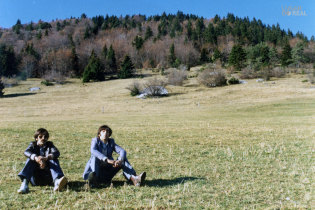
(101, 46)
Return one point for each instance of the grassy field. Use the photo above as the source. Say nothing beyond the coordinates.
(235, 147)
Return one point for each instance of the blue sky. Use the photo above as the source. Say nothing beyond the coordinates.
(269, 11)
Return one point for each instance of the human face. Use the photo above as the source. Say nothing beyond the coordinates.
(41, 140)
(104, 135)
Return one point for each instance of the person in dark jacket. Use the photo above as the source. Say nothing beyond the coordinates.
(42, 165)
(101, 167)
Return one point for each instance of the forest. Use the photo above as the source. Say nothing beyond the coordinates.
(109, 46)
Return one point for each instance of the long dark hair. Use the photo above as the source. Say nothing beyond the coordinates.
(104, 127)
(41, 131)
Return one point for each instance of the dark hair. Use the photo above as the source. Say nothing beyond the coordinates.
(104, 127)
(41, 131)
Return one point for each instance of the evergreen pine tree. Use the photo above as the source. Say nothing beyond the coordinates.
(199, 28)
(216, 54)
(83, 16)
(204, 56)
(148, 33)
(127, 68)
(189, 29)
(58, 26)
(39, 34)
(210, 34)
(93, 70)
(172, 57)
(216, 19)
(111, 59)
(237, 57)
(1, 87)
(16, 28)
(298, 54)
(286, 57)
(29, 27)
(273, 56)
(264, 54)
(87, 32)
(138, 42)
(8, 61)
(162, 28)
(75, 62)
(104, 51)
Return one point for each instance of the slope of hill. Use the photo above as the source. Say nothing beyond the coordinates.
(64, 46)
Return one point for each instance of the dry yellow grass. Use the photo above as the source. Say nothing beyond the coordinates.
(88, 101)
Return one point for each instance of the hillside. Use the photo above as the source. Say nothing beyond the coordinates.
(63, 47)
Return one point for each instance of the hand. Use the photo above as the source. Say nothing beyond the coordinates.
(41, 161)
(117, 163)
(112, 162)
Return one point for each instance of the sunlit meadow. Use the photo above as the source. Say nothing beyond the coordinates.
(236, 147)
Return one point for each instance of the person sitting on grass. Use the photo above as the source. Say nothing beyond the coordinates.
(101, 167)
(42, 166)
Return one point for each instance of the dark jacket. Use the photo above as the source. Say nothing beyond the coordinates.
(49, 148)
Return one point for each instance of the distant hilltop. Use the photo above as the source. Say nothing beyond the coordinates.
(159, 41)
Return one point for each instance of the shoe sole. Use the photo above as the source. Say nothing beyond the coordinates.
(23, 192)
(144, 174)
(62, 184)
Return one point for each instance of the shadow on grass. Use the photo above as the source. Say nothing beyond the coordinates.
(77, 186)
(175, 94)
(18, 94)
(80, 186)
(169, 182)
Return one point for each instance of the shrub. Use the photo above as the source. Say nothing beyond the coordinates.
(265, 73)
(233, 81)
(163, 72)
(212, 78)
(278, 72)
(47, 83)
(176, 77)
(53, 76)
(248, 73)
(154, 87)
(10, 81)
(1, 88)
(135, 88)
(22, 76)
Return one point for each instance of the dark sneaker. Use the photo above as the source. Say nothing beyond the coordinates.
(142, 178)
(91, 179)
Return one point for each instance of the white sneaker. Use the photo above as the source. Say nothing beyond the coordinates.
(60, 183)
(23, 189)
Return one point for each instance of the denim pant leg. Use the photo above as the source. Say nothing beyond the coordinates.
(94, 166)
(55, 169)
(128, 171)
(34, 174)
(28, 170)
(107, 172)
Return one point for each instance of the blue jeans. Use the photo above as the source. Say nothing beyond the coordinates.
(105, 172)
(37, 176)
